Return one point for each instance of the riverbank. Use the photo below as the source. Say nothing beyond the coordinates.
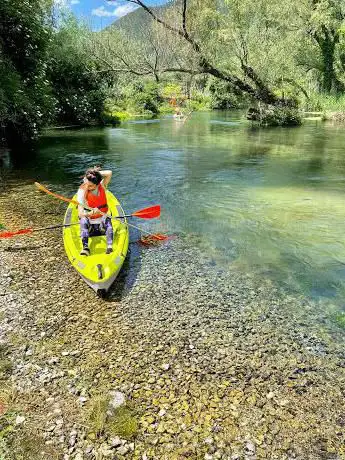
(192, 361)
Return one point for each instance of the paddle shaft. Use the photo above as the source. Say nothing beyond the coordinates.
(77, 223)
(146, 213)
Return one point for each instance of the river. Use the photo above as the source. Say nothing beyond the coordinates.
(264, 200)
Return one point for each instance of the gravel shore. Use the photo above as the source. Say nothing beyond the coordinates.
(183, 360)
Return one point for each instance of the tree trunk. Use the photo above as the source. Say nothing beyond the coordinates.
(327, 43)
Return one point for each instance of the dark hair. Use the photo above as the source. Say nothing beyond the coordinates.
(94, 176)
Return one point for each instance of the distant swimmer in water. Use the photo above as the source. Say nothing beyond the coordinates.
(178, 113)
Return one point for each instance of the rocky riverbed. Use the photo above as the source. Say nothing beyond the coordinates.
(183, 360)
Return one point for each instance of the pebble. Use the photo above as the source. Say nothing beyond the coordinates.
(250, 447)
(122, 450)
(19, 419)
(208, 441)
(215, 337)
(117, 399)
(116, 441)
(72, 441)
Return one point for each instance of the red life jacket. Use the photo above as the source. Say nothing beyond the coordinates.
(97, 201)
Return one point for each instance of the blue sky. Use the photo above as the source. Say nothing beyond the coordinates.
(100, 13)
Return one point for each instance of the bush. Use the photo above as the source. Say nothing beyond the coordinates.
(25, 97)
(320, 102)
(275, 116)
(78, 88)
(147, 97)
(224, 97)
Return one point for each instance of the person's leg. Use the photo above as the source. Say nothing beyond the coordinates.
(84, 234)
(109, 233)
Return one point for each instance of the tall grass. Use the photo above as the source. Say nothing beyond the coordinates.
(319, 102)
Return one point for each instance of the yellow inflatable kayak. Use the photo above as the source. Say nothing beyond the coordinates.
(99, 269)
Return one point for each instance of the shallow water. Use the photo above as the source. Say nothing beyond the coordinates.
(269, 201)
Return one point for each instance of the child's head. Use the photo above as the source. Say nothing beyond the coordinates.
(93, 178)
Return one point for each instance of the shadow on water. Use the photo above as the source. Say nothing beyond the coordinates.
(141, 122)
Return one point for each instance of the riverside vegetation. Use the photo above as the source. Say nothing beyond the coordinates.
(279, 59)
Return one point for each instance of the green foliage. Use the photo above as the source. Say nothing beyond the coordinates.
(276, 116)
(25, 98)
(339, 318)
(63, 73)
(172, 90)
(224, 97)
(78, 88)
(5, 367)
(122, 421)
(46, 74)
(134, 98)
(320, 102)
(146, 97)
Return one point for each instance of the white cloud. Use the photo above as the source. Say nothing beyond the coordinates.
(65, 3)
(123, 10)
(117, 12)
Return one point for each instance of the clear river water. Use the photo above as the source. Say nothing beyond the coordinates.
(269, 201)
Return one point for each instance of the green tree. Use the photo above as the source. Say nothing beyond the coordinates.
(324, 24)
(219, 36)
(25, 99)
(77, 85)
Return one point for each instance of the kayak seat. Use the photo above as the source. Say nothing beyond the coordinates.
(96, 230)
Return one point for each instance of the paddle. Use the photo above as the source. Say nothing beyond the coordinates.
(147, 213)
(25, 231)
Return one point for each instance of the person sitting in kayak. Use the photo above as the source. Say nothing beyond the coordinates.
(92, 223)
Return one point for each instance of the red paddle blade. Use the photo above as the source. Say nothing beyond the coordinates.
(148, 213)
(18, 232)
(153, 239)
